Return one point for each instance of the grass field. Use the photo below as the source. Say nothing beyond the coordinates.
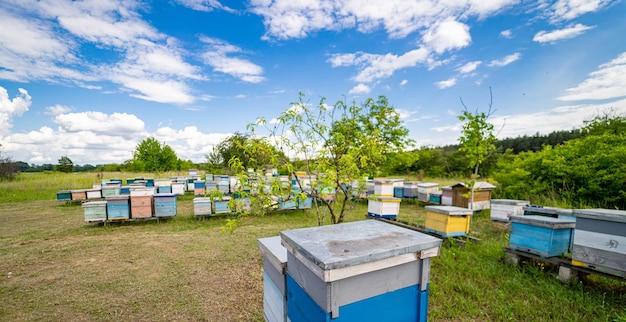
(54, 267)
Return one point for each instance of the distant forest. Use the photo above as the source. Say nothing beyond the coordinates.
(429, 159)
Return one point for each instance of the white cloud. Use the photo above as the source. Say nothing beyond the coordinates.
(570, 9)
(469, 67)
(447, 35)
(609, 82)
(204, 5)
(446, 83)
(560, 34)
(360, 89)
(505, 60)
(405, 114)
(123, 124)
(404, 82)
(506, 33)
(286, 19)
(12, 107)
(217, 57)
(379, 66)
(57, 109)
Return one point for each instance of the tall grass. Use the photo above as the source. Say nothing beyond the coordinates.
(53, 266)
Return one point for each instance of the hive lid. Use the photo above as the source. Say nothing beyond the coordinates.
(94, 204)
(548, 210)
(202, 199)
(601, 214)
(427, 184)
(385, 199)
(349, 244)
(164, 194)
(543, 221)
(449, 210)
(272, 249)
(117, 197)
(512, 202)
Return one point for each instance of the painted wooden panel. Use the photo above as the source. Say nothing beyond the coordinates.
(94, 194)
(307, 203)
(288, 204)
(502, 209)
(165, 189)
(118, 207)
(383, 188)
(358, 271)
(178, 188)
(95, 211)
(165, 205)
(274, 283)
(435, 197)
(383, 207)
(140, 206)
(448, 221)
(220, 205)
(138, 191)
(427, 187)
(202, 206)
(540, 235)
(108, 191)
(79, 194)
(64, 195)
(398, 192)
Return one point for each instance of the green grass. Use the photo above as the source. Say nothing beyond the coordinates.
(53, 266)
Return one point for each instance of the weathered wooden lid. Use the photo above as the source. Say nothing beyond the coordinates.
(543, 221)
(117, 197)
(354, 243)
(449, 210)
(273, 250)
(511, 202)
(548, 210)
(202, 199)
(601, 214)
(427, 184)
(94, 204)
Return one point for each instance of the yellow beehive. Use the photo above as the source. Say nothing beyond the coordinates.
(448, 221)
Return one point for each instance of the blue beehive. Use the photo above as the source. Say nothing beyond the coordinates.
(358, 271)
(164, 205)
(306, 203)
(542, 235)
(274, 282)
(118, 207)
(221, 205)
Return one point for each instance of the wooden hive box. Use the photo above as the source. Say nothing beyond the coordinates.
(502, 209)
(383, 207)
(93, 194)
(78, 195)
(108, 191)
(435, 197)
(95, 211)
(165, 189)
(448, 221)
(178, 188)
(243, 204)
(125, 190)
(481, 199)
(306, 203)
(209, 177)
(554, 212)
(202, 206)
(541, 235)
(138, 191)
(141, 206)
(64, 195)
(398, 188)
(190, 186)
(220, 205)
(274, 279)
(165, 205)
(366, 270)
(198, 189)
(291, 203)
(410, 189)
(600, 240)
(446, 196)
(383, 188)
(118, 207)
(424, 189)
(149, 182)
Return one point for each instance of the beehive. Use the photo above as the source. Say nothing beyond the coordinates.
(274, 279)
(118, 207)
(541, 235)
(448, 221)
(64, 195)
(424, 189)
(502, 209)
(359, 271)
(165, 205)
(78, 195)
(220, 205)
(383, 188)
(140, 206)
(198, 188)
(93, 194)
(95, 211)
(410, 189)
(383, 207)
(600, 240)
(446, 196)
(108, 191)
(202, 206)
(435, 197)
(178, 188)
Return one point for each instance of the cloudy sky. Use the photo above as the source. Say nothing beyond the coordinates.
(91, 79)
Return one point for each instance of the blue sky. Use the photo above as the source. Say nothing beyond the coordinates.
(91, 79)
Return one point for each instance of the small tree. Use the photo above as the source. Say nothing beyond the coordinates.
(8, 168)
(65, 165)
(477, 138)
(338, 144)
